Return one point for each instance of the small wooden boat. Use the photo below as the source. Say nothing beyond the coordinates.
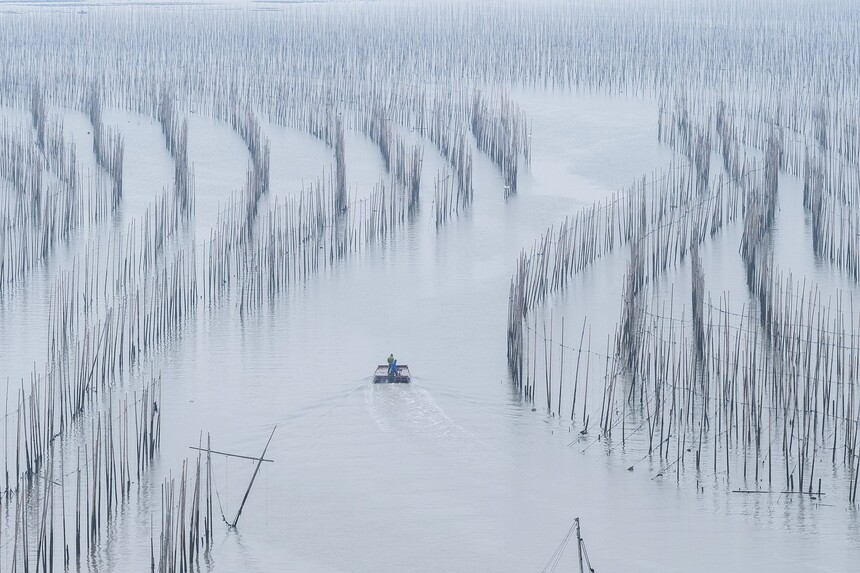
(383, 376)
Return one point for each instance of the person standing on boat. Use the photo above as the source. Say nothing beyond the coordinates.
(392, 363)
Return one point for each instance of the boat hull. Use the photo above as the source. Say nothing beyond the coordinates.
(382, 376)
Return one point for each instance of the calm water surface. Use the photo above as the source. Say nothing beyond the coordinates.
(452, 472)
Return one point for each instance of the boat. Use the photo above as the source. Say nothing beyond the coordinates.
(383, 376)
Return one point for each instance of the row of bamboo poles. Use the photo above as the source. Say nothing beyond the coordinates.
(123, 438)
(186, 522)
(502, 134)
(299, 236)
(115, 303)
(565, 48)
(769, 392)
(402, 163)
(108, 146)
(831, 190)
(176, 139)
(48, 197)
(325, 71)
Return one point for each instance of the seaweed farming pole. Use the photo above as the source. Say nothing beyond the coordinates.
(208, 517)
(582, 553)
(579, 544)
(340, 168)
(576, 374)
(253, 477)
(561, 368)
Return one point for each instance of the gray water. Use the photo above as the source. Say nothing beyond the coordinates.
(453, 472)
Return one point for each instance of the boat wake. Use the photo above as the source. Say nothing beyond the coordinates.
(409, 411)
(323, 406)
